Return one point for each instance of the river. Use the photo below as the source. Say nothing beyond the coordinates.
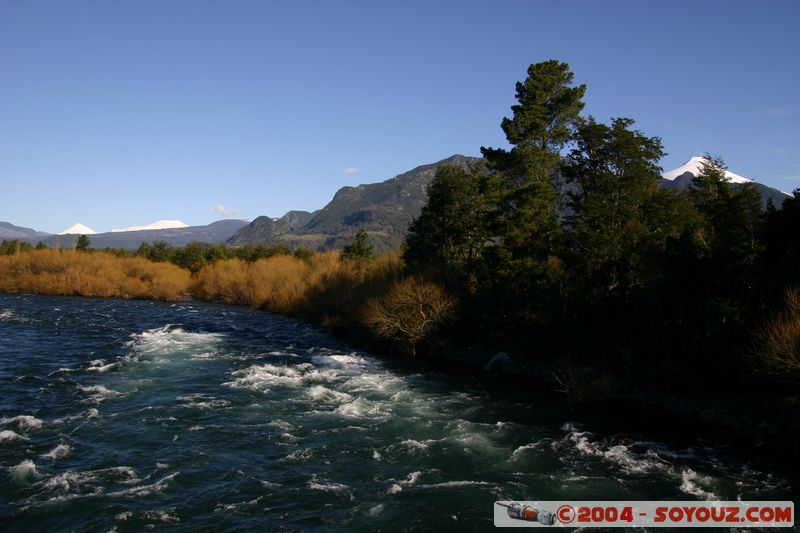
(124, 415)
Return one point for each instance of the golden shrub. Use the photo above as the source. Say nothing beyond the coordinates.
(778, 340)
(409, 311)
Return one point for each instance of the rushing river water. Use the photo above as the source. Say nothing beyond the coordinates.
(126, 415)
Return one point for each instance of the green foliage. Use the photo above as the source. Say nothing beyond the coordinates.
(619, 216)
(452, 230)
(196, 255)
(304, 253)
(83, 244)
(542, 122)
(733, 216)
(519, 272)
(782, 248)
(360, 248)
(587, 254)
(14, 247)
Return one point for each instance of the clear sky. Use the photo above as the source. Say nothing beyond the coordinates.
(119, 113)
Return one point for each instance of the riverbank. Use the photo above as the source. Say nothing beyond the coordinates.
(374, 300)
(373, 303)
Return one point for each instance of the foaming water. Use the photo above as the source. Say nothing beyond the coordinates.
(135, 415)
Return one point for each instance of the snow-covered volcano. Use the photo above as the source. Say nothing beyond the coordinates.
(694, 166)
(78, 229)
(158, 224)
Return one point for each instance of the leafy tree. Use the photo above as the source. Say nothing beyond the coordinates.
(619, 216)
(41, 246)
(360, 248)
(718, 272)
(304, 253)
(83, 244)
(541, 124)
(619, 231)
(192, 256)
(144, 250)
(159, 251)
(217, 252)
(522, 269)
(733, 217)
(452, 229)
(782, 248)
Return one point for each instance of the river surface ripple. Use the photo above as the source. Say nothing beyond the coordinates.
(126, 415)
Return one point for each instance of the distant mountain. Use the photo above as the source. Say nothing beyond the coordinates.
(217, 232)
(694, 166)
(78, 229)
(159, 224)
(681, 177)
(10, 231)
(384, 209)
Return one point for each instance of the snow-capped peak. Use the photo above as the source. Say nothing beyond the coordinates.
(695, 165)
(158, 224)
(78, 229)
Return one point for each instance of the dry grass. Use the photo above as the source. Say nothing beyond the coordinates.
(67, 272)
(778, 341)
(323, 288)
(370, 298)
(276, 283)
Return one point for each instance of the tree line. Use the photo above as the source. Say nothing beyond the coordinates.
(193, 256)
(566, 247)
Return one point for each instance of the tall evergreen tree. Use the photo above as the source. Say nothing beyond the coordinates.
(733, 217)
(360, 248)
(723, 261)
(782, 247)
(540, 126)
(83, 244)
(452, 229)
(618, 229)
(619, 215)
(526, 227)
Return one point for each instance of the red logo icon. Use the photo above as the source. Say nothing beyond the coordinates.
(565, 514)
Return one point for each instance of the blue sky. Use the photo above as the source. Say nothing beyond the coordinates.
(121, 113)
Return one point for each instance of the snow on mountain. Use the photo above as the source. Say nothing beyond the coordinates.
(694, 166)
(78, 229)
(158, 224)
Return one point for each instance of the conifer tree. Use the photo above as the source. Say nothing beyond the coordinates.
(526, 226)
(83, 244)
(360, 248)
(619, 216)
(452, 229)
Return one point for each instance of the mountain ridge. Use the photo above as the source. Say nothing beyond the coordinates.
(384, 209)
(10, 231)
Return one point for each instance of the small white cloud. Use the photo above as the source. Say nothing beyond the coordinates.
(225, 212)
(351, 170)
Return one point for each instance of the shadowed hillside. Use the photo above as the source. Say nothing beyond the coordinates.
(384, 210)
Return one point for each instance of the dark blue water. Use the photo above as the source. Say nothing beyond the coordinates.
(128, 415)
